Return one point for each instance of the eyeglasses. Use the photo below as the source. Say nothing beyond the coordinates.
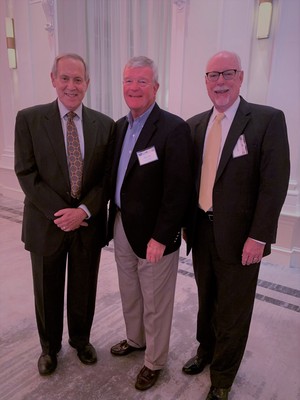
(140, 82)
(228, 75)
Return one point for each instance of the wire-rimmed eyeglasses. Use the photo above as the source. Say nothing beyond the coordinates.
(228, 75)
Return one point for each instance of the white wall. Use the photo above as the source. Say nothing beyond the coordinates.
(199, 29)
(27, 85)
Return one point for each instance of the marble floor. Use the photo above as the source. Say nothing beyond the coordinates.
(270, 369)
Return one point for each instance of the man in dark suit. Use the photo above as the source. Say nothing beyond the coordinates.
(152, 182)
(231, 232)
(62, 221)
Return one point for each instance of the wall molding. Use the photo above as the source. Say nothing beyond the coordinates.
(48, 7)
(180, 4)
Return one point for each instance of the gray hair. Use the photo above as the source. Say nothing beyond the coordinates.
(142, 61)
(231, 54)
(73, 56)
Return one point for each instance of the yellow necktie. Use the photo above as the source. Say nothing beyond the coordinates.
(210, 163)
(74, 156)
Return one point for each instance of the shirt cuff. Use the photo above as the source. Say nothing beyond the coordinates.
(258, 241)
(85, 209)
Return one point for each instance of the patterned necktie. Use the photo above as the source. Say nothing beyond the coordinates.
(210, 163)
(74, 156)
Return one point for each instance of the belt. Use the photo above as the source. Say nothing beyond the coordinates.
(74, 202)
(118, 209)
(210, 215)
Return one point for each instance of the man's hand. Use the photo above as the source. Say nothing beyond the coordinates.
(155, 251)
(70, 219)
(252, 252)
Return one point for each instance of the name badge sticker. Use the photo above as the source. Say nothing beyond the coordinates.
(147, 156)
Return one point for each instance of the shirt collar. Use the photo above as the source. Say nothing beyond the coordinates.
(230, 112)
(142, 118)
(63, 110)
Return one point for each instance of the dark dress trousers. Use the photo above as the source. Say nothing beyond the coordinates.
(42, 170)
(248, 195)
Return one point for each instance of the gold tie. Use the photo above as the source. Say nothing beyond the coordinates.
(210, 163)
(74, 156)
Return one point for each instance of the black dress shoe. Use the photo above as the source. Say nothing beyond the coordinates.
(86, 353)
(146, 378)
(218, 393)
(123, 348)
(195, 365)
(47, 363)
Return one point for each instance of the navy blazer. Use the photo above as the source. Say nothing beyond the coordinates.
(249, 190)
(155, 196)
(42, 171)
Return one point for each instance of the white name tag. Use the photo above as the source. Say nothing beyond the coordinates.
(240, 147)
(147, 156)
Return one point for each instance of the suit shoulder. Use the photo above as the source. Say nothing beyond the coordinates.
(171, 117)
(161, 116)
(169, 122)
(262, 109)
(192, 121)
(99, 115)
(121, 120)
(36, 109)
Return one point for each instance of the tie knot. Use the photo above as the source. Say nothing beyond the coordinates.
(219, 117)
(71, 115)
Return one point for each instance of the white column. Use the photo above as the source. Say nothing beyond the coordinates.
(179, 17)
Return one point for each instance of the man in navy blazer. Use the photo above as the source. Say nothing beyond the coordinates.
(230, 238)
(152, 183)
(56, 225)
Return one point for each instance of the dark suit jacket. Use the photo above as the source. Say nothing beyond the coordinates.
(42, 170)
(154, 196)
(249, 190)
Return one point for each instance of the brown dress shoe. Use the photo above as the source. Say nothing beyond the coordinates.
(47, 363)
(123, 348)
(146, 378)
(195, 365)
(218, 393)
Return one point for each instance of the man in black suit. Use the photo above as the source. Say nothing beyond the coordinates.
(232, 232)
(62, 221)
(152, 182)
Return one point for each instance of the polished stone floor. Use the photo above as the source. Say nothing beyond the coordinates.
(270, 369)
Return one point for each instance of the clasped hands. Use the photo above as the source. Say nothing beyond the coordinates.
(70, 219)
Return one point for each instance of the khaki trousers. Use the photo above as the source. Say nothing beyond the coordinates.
(147, 294)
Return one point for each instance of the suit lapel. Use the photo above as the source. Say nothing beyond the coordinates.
(120, 135)
(199, 139)
(122, 129)
(56, 137)
(89, 133)
(146, 135)
(237, 128)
